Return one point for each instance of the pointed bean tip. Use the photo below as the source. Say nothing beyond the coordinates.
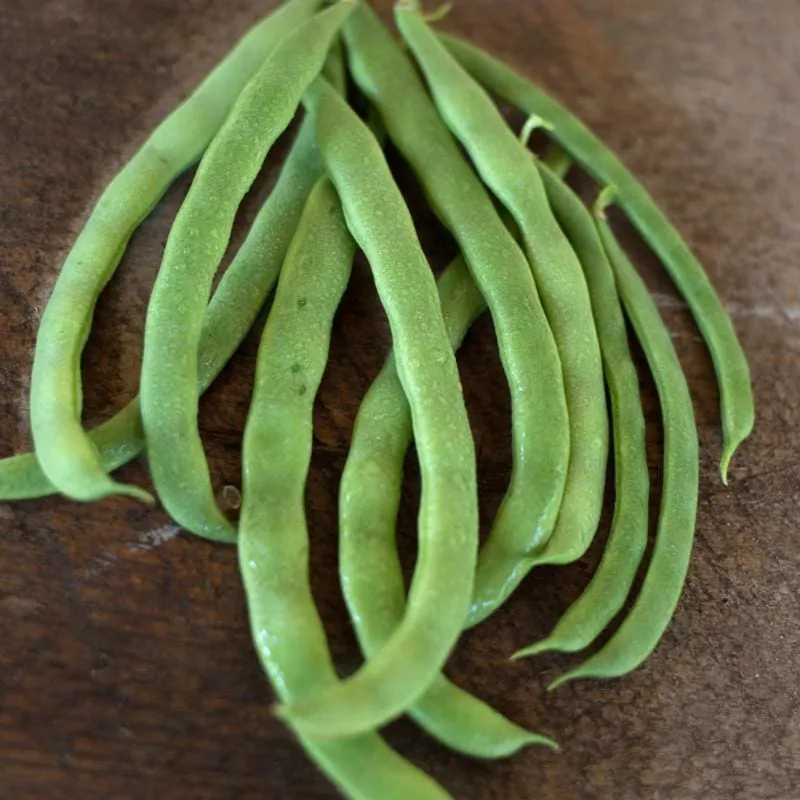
(723, 469)
(531, 124)
(559, 681)
(533, 650)
(728, 451)
(550, 744)
(129, 490)
(534, 122)
(605, 198)
(541, 740)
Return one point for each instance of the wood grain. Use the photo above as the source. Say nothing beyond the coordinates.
(126, 669)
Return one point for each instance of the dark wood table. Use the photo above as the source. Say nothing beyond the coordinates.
(126, 669)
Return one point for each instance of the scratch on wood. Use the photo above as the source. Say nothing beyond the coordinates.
(155, 538)
(144, 542)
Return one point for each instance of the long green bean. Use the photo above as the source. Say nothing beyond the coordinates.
(66, 455)
(372, 578)
(605, 595)
(440, 592)
(730, 363)
(506, 167)
(273, 537)
(540, 432)
(232, 311)
(652, 611)
(195, 246)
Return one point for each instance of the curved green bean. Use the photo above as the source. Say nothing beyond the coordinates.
(273, 537)
(606, 593)
(66, 455)
(369, 566)
(440, 592)
(646, 622)
(540, 428)
(194, 249)
(232, 311)
(730, 363)
(506, 167)
(372, 578)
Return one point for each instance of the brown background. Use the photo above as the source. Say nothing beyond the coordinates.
(125, 664)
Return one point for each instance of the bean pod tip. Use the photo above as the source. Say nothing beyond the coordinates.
(605, 198)
(129, 490)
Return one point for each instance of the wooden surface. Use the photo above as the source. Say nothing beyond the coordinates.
(126, 669)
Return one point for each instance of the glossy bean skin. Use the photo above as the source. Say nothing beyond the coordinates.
(273, 536)
(605, 595)
(371, 575)
(440, 592)
(67, 456)
(195, 246)
(730, 363)
(540, 425)
(641, 630)
(233, 309)
(507, 168)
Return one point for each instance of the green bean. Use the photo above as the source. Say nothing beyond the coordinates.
(194, 248)
(730, 363)
(335, 68)
(369, 566)
(231, 313)
(540, 428)
(440, 592)
(372, 578)
(604, 597)
(273, 536)
(65, 454)
(652, 611)
(506, 167)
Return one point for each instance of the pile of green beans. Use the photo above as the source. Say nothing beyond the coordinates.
(559, 288)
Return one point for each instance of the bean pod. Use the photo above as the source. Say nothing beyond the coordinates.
(439, 598)
(643, 627)
(605, 595)
(66, 455)
(506, 167)
(730, 363)
(194, 249)
(273, 541)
